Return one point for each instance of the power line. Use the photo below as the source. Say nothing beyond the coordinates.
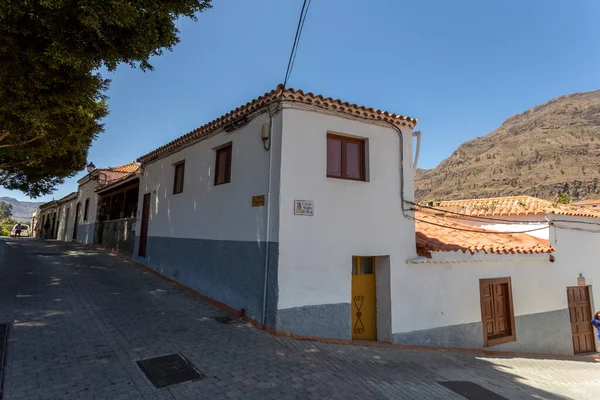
(476, 231)
(299, 28)
(476, 217)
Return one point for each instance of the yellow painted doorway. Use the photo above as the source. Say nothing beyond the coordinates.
(364, 310)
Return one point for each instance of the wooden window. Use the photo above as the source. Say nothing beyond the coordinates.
(86, 209)
(345, 158)
(178, 181)
(497, 313)
(223, 165)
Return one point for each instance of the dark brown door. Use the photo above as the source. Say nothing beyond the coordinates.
(144, 227)
(581, 315)
(76, 222)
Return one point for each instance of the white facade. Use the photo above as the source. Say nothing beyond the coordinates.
(576, 241)
(66, 218)
(534, 225)
(351, 218)
(211, 238)
(206, 211)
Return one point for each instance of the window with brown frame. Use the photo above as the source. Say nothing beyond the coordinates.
(178, 181)
(497, 313)
(86, 208)
(345, 157)
(223, 165)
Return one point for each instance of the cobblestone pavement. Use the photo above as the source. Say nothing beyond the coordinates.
(81, 319)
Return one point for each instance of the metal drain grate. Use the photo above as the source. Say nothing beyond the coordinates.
(226, 319)
(471, 390)
(169, 370)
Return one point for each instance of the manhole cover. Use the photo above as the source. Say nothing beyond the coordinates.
(471, 391)
(226, 319)
(168, 370)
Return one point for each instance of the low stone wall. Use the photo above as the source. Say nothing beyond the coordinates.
(118, 235)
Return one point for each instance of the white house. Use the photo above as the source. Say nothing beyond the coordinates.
(289, 207)
(66, 220)
(86, 207)
(499, 291)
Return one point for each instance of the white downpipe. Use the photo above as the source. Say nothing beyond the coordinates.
(417, 134)
(268, 235)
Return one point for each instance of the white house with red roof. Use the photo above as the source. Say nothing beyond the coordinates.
(290, 208)
(86, 206)
(493, 288)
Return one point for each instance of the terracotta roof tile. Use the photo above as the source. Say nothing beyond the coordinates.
(286, 95)
(448, 238)
(511, 206)
(129, 168)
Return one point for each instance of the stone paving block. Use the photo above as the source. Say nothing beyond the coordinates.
(112, 314)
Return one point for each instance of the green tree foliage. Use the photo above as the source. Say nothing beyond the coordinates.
(563, 198)
(52, 97)
(5, 210)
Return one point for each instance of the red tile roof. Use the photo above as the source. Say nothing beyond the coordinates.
(511, 206)
(128, 168)
(449, 237)
(285, 95)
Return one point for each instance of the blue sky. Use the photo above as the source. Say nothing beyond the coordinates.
(460, 67)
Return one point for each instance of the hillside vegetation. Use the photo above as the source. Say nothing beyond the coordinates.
(550, 149)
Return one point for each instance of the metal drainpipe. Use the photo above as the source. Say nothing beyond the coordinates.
(268, 235)
(417, 134)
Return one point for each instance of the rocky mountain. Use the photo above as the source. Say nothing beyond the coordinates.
(22, 210)
(548, 150)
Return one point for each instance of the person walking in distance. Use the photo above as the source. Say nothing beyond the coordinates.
(18, 229)
(596, 323)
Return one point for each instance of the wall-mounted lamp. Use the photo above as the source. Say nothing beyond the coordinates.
(266, 135)
(91, 167)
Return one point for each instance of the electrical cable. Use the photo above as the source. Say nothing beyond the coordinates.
(299, 28)
(473, 216)
(476, 231)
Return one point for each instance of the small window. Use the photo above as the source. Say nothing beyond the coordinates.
(178, 181)
(345, 157)
(86, 209)
(363, 265)
(223, 165)
(497, 313)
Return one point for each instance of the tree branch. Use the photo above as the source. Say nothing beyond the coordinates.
(4, 135)
(19, 144)
(7, 177)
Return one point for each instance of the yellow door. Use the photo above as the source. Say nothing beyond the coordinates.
(364, 310)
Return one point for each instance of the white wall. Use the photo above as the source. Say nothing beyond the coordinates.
(577, 252)
(350, 218)
(447, 293)
(520, 224)
(67, 217)
(206, 211)
(85, 228)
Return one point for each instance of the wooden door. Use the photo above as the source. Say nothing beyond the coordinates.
(364, 308)
(144, 227)
(76, 222)
(580, 311)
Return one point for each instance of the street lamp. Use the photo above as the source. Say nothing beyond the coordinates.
(91, 167)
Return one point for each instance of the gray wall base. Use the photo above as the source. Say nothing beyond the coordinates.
(231, 272)
(324, 320)
(548, 332)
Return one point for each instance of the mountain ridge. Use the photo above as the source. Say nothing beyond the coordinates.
(22, 210)
(547, 150)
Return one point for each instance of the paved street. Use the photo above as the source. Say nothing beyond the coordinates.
(81, 319)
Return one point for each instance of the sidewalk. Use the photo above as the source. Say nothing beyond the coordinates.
(81, 319)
